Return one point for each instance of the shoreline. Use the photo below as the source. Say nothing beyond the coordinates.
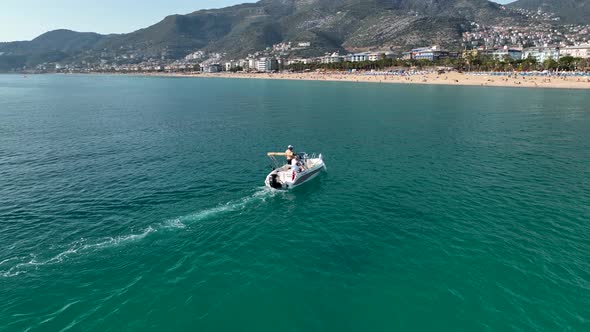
(423, 78)
(450, 78)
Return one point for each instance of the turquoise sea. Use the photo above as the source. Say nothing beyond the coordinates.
(137, 204)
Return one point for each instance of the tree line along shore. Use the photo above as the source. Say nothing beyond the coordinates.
(469, 63)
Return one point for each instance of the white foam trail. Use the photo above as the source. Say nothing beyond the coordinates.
(77, 247)
(8, 260)
(82, 246)
(260, 195)
(174, 223)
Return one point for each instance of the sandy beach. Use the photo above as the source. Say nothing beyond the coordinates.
(449, 78)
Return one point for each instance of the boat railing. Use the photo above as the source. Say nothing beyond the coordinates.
(305, 155)
(274, 163)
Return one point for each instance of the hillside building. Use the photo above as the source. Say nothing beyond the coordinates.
(541, 54)
(507, 53)
(251, 64)
(212, 68)
(333, 58)
(426, 53)
(376, 56)
(358, 57)
(580, 51)
(230, 65)
(266, 65)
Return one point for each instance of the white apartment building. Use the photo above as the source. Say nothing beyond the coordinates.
(229, 65)
(580, 51)
(541, 54)
(333, 58)
(359, 57)
(376, 56)
(267, 64)
(263, 65)
(251, 64)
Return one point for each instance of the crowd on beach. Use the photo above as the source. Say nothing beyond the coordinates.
(571, 80)
(498, 73)
(403, 73)
(535, 74)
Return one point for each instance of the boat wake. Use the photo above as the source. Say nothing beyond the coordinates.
(15, 266)
(259, 196)
(32, 261)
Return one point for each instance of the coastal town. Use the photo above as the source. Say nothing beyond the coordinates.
(275, 59)
(542, 47)
(502, 44)
(269, 61)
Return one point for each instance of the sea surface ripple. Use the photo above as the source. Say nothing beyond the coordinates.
(135, 203)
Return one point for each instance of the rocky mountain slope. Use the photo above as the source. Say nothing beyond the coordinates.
(330, 25)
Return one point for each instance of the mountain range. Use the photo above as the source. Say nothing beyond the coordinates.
(330, 25)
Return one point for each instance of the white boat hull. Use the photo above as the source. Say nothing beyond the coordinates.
(285, 178)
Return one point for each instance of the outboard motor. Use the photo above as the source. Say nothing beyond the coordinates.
(274, 182)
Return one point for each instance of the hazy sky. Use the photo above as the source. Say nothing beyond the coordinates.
(26, 19)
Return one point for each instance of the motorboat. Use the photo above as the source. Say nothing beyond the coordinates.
(284, 177)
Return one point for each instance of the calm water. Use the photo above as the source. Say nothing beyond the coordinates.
(131, 203)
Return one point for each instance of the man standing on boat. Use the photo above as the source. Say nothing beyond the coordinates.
(289, 154)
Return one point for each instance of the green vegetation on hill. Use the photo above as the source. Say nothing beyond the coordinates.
(53, 46)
